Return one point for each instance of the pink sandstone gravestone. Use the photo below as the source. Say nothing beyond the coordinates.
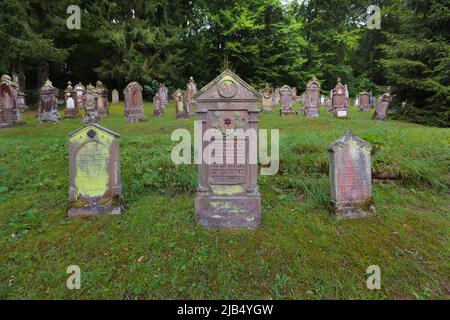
(286, 101)
(157, 107)
(163, 95)
(9, 110)
(364, 102)
(70, 102)
(351, 177)
(94, 170)
(79, 94)
(383, 105)
(102, 100)
(90, 103)
(134, 105)
(339, 101)
(312, 97)
(228, 193)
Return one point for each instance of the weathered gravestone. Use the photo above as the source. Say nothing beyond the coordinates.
(79, 94)
(115, 96)
(90, 97)
(102, 100)
(94, 166)
(286, 100)
(339, 101)
(228, 195)
(48, 104)
(267, 99)
(364, 102)
(382, 106)
(157, 107)
(181, 109)
(9, 110)
(351, 177)
(71, 108)
(294, 94)
(276, 96)
(163, 94)
(312, 97)
(328, 106)
(134, 105)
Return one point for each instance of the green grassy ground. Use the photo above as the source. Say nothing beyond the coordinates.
(157, 251)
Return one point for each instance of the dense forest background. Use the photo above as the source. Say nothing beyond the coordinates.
(264, 41)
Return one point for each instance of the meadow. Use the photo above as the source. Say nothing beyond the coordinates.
(156, 251)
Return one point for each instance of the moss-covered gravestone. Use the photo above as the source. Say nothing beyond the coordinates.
(227, 194)
(351, 177)
(95, 182)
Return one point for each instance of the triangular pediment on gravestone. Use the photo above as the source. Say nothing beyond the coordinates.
(225, 87)
(346, 138)
(92, 129)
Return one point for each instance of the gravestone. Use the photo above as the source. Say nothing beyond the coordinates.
(383, 105)
(294, 94)
(328, 106)
(48, 104)
(276, 96)
(357, 102)
(180, 105)
(94, 166)
(351, 177)
(312, 97)
(228, 194)
(286, 101)
(364, 102)
(157, 107)
(163, 94)
(9, 109)
(190, 93)
(339, 101)
(267, 99)
(90, 103)
(79, 94)
(71, 108)
(134, 105)
(115, 96)
(102, 100)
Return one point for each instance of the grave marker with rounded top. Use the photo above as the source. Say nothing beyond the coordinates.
(228, 193)
(9, 110)
(286, 101)
(364, 102)
(94, 170)
(351, 177)
(339, 100)
(267, 99)
(134, 105)
(71, 108)
(48, 103)
(115, 96)
(163, 95)
(90, 103)
(312, 98)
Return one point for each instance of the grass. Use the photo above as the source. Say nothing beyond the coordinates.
(156, 251)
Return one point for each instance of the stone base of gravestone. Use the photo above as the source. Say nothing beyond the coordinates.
(228, 212)
(157, 113)
(91, 117)
(71, 113)
(134, 115)
(50, 116)
(354, 210)
(103, 113)
(312, 113)
(300, 112)
(287, 112)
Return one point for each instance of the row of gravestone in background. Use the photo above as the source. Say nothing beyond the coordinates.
(227, 194)
(94, 101)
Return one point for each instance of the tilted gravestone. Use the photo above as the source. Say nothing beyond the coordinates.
(134, 105)
(48, 104)
(79, 94)
(157, 107)
(115, 96)
(382, 106)
(94, 166)
(90, 97)
(102, 100)
(286, 100)
(267, 99)
(312, 97)
(339, 100)
(181, 109)
(364, 102)
(9, 109)
(228, 194)
(71, 108)
(164, 95)
(351, 177)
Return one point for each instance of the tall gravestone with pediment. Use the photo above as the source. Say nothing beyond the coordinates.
(71, 108)
(286, 100)
(163, 95)
(267, 99)
(339, 100)
(228, 194)
(181, 110)
(48, 103)
(115, 96)
(79, 95)
(312, 98)
(94, 167)
(364, 102)
(9, 109)
(382, 106)
(102, 100)
(90, 104)
(134, 105)
(351, 177)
